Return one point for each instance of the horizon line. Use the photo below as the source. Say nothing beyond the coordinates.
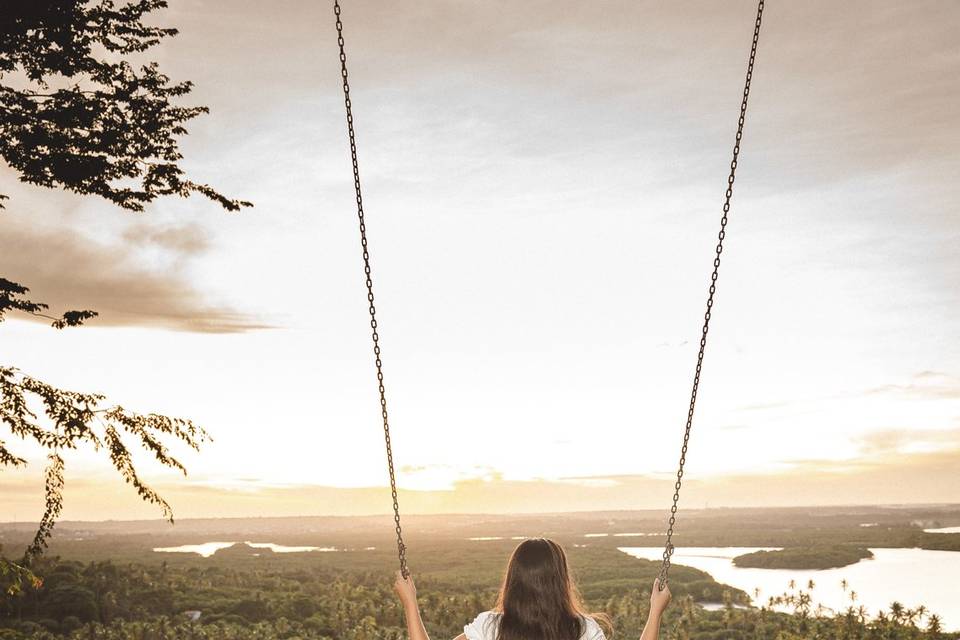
(505, 513)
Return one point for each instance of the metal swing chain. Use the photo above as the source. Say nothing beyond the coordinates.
(668, 547)
(401, 548)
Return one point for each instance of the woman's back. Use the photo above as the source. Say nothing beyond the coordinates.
(538, 600)
(486, 626)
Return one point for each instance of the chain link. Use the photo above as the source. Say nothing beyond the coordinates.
(668, 546)
(401, 548)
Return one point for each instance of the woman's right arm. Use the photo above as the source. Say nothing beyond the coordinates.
(658, 602)
(407, 591)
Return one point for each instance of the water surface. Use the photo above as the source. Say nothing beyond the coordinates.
(207, 549)
(909, 576)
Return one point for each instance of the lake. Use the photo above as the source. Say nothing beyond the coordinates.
(207, 549)
(909, 576)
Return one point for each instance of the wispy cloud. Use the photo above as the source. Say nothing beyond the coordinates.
(69, 271)
(895, 479)
(896, 441)
(185, 240)
(900, 479)
(925, 385)
(764, 406)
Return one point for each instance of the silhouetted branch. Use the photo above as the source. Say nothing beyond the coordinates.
(11, 299)
(121, 128)
(53, 495)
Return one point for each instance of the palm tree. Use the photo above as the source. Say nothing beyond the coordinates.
(882, 621)
(910, 617)
(934, 627)
(896, 611)
(844, 585)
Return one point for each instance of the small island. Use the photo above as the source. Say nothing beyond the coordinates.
(818, 557)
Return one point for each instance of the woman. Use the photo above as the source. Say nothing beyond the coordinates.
(538, 601)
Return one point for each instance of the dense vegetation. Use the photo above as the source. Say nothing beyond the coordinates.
(347, 596)
(818, 557)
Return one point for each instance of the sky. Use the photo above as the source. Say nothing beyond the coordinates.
(543, 183)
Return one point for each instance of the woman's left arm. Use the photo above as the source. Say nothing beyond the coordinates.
(407, 591)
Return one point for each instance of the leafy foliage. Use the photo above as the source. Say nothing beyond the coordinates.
(76, 111)
(270, 600)
(58, 419)
(72, 419)
(11, 299)
(14, 577)
(53, 505)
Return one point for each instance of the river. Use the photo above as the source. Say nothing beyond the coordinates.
(909, 576)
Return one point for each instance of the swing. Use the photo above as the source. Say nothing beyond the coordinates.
(668, 546)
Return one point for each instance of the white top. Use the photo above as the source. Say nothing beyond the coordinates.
(484, 627)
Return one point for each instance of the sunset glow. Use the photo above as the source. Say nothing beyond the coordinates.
(542, 210)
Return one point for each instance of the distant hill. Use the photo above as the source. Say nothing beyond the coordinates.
(858, 526)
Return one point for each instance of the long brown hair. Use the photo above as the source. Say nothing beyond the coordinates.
(538, 599)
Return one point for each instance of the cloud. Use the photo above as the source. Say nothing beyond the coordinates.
(922, 478)
(589, 482)
(186, 240)
(894, 441)
(733, 427)
(764, 406)
(932, 385)
(443, 476)
(903, 479)
(69, 271)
